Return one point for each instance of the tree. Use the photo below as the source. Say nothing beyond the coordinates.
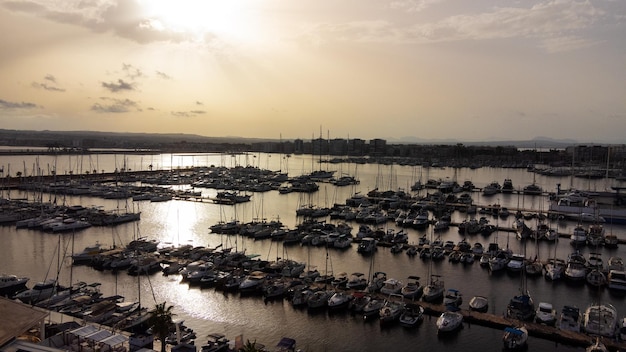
(161, 321)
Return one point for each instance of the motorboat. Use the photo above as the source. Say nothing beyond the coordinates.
(453, 298)
(391, 286)
(617, 280)
(479, 304)
(521, 307)
(434, 290)
(412, 289)
(87, 254)
(515, 338)
(392, 309)
(449, 321)
(600, 319)
(499, 261)
(357, 281)
(252, 283)
(596, 278)
(40, 291)
(554, 269)
(576, 268)
(368, 245)
(339, 300)
(10, 284)
(358, 302)
(378, 281)
(615, 263)
(412, 316)
(319, 299)
(570, 319)
(578, 237)
(545, 314)
(340, 280)
(516, 263)
(372, 308)
(216, 342)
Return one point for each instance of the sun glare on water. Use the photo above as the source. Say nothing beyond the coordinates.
(228, 19)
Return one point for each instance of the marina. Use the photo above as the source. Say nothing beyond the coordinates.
(178, 222)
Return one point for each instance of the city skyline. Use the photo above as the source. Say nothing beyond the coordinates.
(396, 70)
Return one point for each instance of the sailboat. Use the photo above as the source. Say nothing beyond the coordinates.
(435, 289)
(521, 306)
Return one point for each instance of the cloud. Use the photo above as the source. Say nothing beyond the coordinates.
(9, 105)
(118, 86)
(192, 113)
(413, 5)
(131, 71)
(120, 17)
(556, 25)
(49, 84)
(163, 75)
(115, 106)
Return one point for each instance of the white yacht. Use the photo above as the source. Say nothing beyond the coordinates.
(449, 321)
(600, 319)
(570, 319)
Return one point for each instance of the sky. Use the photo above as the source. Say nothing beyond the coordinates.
(475, 70)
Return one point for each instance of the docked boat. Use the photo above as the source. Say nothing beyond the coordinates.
(319, 299)
(392, 309)
(617, 280)
(453, 298)
(11, 284)
(578, 237)
(554, 269)
(339, 300)
(596, 278)
(449, 321)
(521, 307)
(253, 282)
(40, 291)
(576, 268)
(412, 316)
(434, 291)
(479, 304)
(358, 302)
(600, 319)
(545, 314)
(216, 342)
(615, 263)
(367, 246)
(391, 286)
(515, 338)
(412, 289)
(372, 308)
(570, 319)
(357, 281)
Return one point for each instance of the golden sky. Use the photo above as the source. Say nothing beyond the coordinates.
(429, 69)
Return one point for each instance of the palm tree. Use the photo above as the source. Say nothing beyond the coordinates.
(161, 321)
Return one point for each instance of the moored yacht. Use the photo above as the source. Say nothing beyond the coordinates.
(515, 338)
(40, 291)
(10, 284)
(449, 321)
(600, 319)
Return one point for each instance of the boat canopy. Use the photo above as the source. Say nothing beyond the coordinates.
(514, 331)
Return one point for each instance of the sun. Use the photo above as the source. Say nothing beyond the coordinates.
(228, 19)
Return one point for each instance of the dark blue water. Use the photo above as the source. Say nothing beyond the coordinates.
(35, 254)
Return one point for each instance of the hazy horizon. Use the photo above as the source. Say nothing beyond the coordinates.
(428, 69)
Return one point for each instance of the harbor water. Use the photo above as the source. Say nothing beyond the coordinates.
(40, 255)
